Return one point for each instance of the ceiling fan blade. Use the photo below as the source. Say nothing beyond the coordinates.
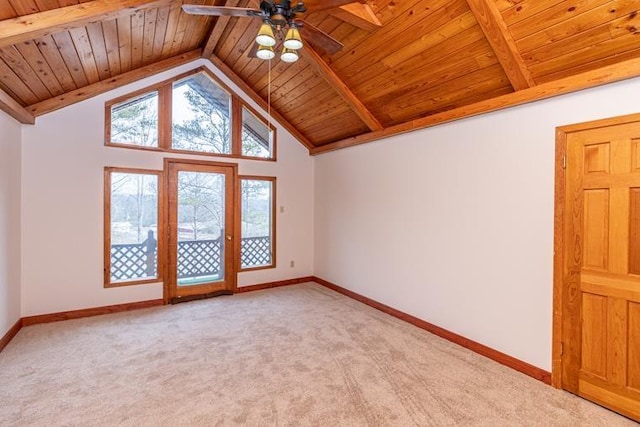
(194, 9)
(319, 5)
(319, 38)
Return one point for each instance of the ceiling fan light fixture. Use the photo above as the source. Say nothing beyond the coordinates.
(293, 40)
(289, 55)
(265, 52)
(265, 36)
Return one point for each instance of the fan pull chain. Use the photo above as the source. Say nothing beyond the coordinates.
(269, 103)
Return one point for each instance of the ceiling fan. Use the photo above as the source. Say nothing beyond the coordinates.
(280, 19)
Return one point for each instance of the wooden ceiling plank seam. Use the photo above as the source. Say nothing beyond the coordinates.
(39, 64)
(137, 39)
(589, 66)
(68, 51)
(295, 88)
(6, 10)
(47, 4)
(24, 7)
(331, 107)
(10, 79)
(104, 86)
(447, 29)
(589, 54)
(110, 32)
(217, 30)
(432, 75)
(193, 24)
(52, 55)
(620, 27)
(489, 80)
(370, 79)
(124, 43)
(409, 30)
(289, 102)
(99, 49)
(258, 100)
(320, 96)
(238, 27)
(15, 110)
(552, 16)
(574, 26)
(172, 25)
(341, 89)
(149, 33)
(85, 53)
(406, 23)
(162, 24)
(183, 22)
(457, 48)
(36, 25)
(23, 70)
(359, 15)
(500, 39)
(198, 33)
(64, 3)
(239, 55)
(524, 9)
(613, 73)
(284, 76)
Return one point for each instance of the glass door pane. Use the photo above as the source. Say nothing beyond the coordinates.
(201, 230)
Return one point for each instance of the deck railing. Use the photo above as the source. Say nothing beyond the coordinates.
(196, 258)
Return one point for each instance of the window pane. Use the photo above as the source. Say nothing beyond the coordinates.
(134, 226)
(256, 136)
(257, 223)
(201, 116)
(201, 208)
(135, 121)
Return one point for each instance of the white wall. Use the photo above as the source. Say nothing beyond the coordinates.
(454, 224)
(63, 160)
(10, 137)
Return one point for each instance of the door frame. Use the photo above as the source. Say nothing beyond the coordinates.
(230, 210)
(558, 233)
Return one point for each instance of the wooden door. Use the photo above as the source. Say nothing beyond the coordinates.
(600, 344)
(201, 230)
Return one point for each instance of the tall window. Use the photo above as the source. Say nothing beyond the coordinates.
(257, 215)
(131, 226)
(194, 113)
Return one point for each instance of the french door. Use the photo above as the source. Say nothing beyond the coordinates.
(200, 230)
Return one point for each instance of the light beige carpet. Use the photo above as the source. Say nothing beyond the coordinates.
(292, 356)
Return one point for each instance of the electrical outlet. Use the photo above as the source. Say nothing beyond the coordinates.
(292, 263)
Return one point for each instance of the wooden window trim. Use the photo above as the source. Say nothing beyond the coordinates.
(164, 90)
(273, 181)
(107, 227)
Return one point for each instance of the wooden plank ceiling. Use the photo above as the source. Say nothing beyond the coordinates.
(428, 58)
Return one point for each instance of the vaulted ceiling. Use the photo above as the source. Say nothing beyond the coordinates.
(405, 64)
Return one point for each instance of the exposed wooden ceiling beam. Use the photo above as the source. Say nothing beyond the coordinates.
(359, 15)
(36, 25)
(341, 88)
(495, 29)
(15, 110)
(613, 73)
(98, 88)
(258, 100)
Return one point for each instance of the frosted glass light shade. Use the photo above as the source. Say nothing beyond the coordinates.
(289, 55)
(293, 40)
(265, 36)
(265, 52)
